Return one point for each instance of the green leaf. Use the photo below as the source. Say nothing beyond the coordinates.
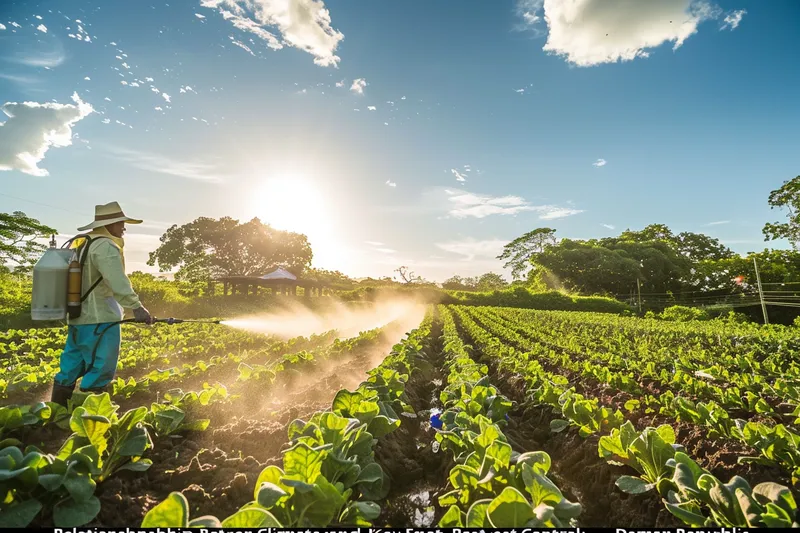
(271, 474)
(633, 485)
(137, 466)
(509, 509)
(79, 485)
(172, 512)
(135, 443)
(69, 513)
(452, 518)
(688, 512)
(20, 514)
(251, 518)
(205, 521)
(477, 515)
(381, 426)
(268, 494)
(360, 513)
(303, 463)
(558, 425)
(539, 461)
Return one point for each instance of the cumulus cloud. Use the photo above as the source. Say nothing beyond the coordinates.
(391, 183)
(303, 24)
(371, 108)
(340, 83)
(599, 163)
(32, 128)
(192, 170)
(42, 28)
(358, 85)
(733, 19)
(592, 32)
(472, 248)
(2, 27)
(467, 204)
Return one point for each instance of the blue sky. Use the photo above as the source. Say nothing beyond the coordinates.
(425, 134)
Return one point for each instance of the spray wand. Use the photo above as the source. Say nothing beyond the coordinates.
(170, 321)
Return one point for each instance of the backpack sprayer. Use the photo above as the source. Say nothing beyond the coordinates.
(57, 284)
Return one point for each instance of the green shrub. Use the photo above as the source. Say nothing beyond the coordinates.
(680, 313)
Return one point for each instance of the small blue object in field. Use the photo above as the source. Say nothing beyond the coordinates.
(506, 416)
(436, 421)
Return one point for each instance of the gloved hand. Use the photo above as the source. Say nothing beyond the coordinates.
(141, 314)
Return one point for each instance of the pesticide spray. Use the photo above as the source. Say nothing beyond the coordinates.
(297, 320)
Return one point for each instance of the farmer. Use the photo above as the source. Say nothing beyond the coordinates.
(93, 339)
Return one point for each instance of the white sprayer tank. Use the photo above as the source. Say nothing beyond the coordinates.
(49, 299)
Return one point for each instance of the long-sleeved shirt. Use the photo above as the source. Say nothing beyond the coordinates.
(106, 302)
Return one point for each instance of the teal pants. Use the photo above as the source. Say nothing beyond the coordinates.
(91, 353)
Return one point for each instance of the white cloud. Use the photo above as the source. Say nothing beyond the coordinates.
(551, 212)
(459, 176)
(386, 250)
(471, 248)
(303, 24)
(592, 32)
(733, 19)
(42, 28)
(520, 91)
(599, 163)
(391, 183)
(466, 204)
(609, 226)
(718, 223)
(374, 243)
(87, 78)
(243, 47)
(340, 83)
(32, 128)
(166, 97)
(192, 170)
(2, 27)
(198, 15)
(358, 85)
(371, 108)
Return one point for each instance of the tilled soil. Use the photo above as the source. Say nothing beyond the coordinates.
(417, 474)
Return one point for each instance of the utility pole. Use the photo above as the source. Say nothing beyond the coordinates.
(761, 292)
(639, 292)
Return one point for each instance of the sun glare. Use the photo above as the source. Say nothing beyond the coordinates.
(292, 203)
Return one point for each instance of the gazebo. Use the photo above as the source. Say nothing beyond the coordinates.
(279, 281)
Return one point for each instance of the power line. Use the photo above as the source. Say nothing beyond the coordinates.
(42, 204)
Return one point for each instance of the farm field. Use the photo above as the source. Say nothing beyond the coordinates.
(479, 416)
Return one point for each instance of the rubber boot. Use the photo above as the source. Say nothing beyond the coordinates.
(61, 394)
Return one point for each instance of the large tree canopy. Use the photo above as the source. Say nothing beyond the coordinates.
(788, 197)
(519, 253)
(18, 234)
(208, 248)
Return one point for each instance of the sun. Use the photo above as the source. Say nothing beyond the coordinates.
(292, 203)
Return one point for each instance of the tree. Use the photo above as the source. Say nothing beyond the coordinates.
(788, 196)
(407, 275)
(18, 234)
(457, 283)
(519, 253)
(208, 248)
(491, 281)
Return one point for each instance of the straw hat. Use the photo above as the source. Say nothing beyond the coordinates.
(107, 214)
